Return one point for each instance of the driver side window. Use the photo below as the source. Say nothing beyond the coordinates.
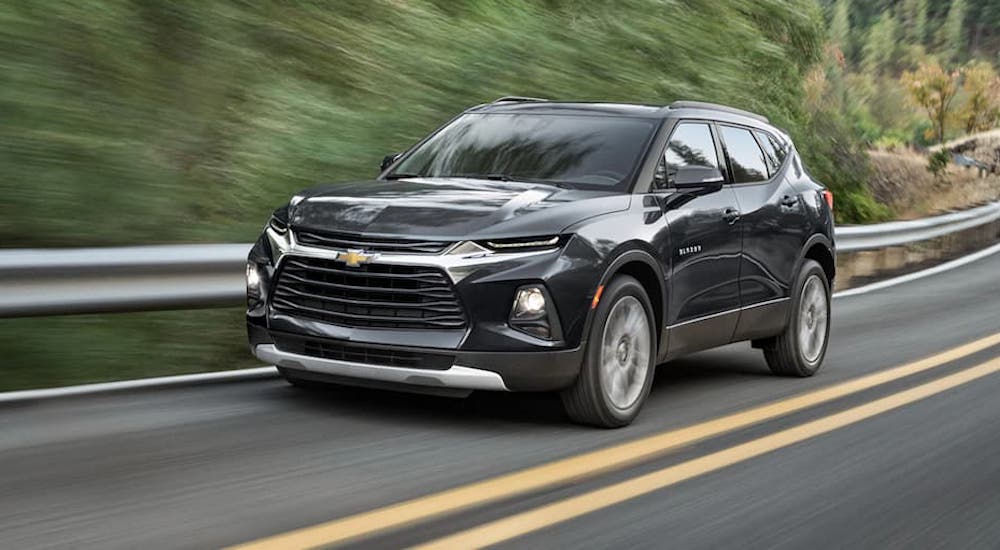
(690, 145)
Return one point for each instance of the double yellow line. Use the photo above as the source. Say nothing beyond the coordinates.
(594, 463)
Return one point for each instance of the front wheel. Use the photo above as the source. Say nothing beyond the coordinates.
(618, 367)
(799, 350)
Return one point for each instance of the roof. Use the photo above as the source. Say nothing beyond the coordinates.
(693, 109)
(571, 108)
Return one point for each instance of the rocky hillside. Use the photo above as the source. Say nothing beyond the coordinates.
(900, 179)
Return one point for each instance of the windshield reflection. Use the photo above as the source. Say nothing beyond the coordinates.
(578, 151)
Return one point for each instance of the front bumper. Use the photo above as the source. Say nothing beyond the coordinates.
(455, 377)
(544, 370)
(487, 354)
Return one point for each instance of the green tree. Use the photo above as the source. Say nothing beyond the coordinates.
(984, 27)
(953, 31)
(836, 154)
(933, 89)
(914, 15)
(840, 25)
(981, 87)
(880, 46)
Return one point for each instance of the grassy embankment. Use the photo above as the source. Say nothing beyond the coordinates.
(129, 122)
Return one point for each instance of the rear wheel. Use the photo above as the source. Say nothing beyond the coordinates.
(799, 350)
(620, 360)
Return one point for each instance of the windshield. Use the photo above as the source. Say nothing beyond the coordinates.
(578, 151)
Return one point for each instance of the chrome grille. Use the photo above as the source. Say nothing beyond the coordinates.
(345, 241)
(371, 295)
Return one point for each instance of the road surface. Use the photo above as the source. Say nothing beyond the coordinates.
(221, 464)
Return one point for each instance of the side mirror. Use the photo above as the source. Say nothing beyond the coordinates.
(388, 160)
(691, 176)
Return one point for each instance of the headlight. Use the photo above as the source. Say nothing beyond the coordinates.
(279, 220)
(253, 284)
(277, 225)
(523, 244)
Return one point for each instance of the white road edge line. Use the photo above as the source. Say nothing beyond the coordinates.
(947, 266)
(270, 372)
(142, 383)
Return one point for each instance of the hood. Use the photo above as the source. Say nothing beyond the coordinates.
(456, 208)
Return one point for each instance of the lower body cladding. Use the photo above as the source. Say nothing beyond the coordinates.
(421, 370)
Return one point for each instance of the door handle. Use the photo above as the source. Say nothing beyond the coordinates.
(731, 215)
(789, 200)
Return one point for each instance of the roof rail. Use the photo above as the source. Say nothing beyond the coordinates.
(516, 98)
(716, 107)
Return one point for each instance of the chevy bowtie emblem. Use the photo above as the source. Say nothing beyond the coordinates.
(354, 258)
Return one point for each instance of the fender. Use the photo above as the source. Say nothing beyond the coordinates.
(816, 238)
(630, 255)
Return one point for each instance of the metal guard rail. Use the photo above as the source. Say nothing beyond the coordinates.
(145, 278)
(881, 235)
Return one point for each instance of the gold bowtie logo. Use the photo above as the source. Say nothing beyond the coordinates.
(354, 258)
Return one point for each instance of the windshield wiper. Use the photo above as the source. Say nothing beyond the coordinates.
(505, 177)
(402, 175)
(556, 183)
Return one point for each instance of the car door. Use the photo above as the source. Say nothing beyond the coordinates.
(774, 227)
(704, 251)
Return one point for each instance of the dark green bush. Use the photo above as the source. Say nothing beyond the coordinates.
(938, 161)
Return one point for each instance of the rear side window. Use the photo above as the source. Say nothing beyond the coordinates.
(769, 152)
(780, 147)
(748, 161)
(690, 145)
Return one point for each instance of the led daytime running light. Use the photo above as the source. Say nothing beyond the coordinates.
(524, 244)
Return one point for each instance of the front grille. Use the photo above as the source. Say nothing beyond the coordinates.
(355, 353)
(371, 295)
(345, 241)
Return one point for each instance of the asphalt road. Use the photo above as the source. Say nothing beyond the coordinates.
(220, 464)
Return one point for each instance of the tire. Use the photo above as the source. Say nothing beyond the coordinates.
(624, 317)
(799, 350)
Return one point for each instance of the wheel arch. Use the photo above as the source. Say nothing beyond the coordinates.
(642, 266)
(820, 249)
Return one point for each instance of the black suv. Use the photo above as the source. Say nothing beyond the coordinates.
(530, 245)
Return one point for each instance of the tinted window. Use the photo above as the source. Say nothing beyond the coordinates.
(780, 147)
(768, 146)
(581, 151)
(745, 155)
(690, 145)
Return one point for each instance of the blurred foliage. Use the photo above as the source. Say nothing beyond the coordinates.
(882, 40)
(77, 349)
(187, 121)
(838, 154)
(129, 121)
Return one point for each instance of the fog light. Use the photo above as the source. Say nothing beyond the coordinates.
(529, 303)
(532, 314)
